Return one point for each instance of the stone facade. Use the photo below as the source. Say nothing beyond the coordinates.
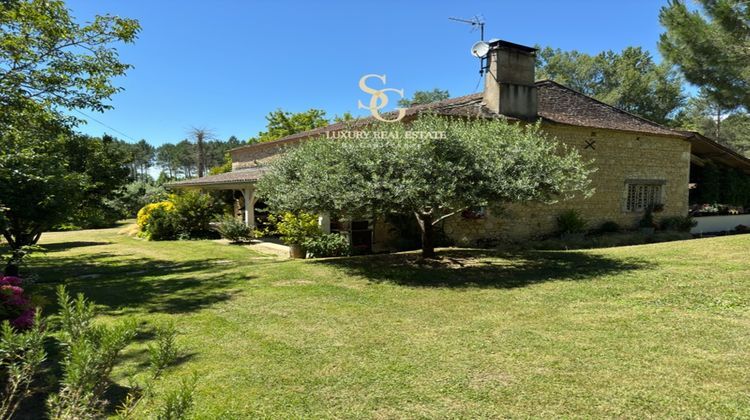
(619, 157)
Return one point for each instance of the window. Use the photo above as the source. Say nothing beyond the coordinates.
(643, 194)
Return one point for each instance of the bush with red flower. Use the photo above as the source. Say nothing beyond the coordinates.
(14, 305)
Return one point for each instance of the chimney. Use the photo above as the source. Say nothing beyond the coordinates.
(509, 82)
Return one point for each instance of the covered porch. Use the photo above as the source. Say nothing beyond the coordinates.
(719, 186)
(244, 181)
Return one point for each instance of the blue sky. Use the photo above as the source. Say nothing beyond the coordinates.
(224, 65)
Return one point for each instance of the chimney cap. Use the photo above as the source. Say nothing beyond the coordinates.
(499, 43)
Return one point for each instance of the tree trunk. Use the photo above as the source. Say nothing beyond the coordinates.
(718, 124)
(428, 244)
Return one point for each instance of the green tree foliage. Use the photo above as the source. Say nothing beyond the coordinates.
(133, 196)
(346, 116)
(389, 171)
(703, 115)
(735, 132)
(37, 187)
(283, 123)
(711, 46)
(700, 114)
(48, 61)
(422, 97)
(224, 167)
(180, 160)
(47, 57)
(168, 160)
(141, 158)
(50, 177)
(629, 80)
(105, 168)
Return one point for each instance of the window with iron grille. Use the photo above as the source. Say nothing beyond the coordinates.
(643, 195)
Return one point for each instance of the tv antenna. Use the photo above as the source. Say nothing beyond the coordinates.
(475, 22)
(480, 49)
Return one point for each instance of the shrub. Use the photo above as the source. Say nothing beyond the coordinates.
(164, 353)
(87, 353)
(296, 228)
(179, 402)
(570, 221)
(327, 245)
(144, 214)
(233, 229)
(162, 225)
(15, 307)
(607, 241)
(21, 356)
(90, 354)
(194, 212)
(647, 221)
(609, 227)
(678, 223)
(183, 216)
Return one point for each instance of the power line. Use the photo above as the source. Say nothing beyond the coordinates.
(104, 125)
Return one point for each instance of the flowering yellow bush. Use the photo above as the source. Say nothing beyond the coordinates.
(296, 228)
(145, 213)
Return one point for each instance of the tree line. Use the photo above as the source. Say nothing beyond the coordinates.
(183, 159)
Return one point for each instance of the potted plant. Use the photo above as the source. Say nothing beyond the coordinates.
(295, 229)
(647, 224)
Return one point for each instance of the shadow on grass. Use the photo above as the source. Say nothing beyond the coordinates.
(124, 285)
(64, 246)
(484, 268)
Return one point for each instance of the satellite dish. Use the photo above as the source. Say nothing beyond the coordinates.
(480, 49)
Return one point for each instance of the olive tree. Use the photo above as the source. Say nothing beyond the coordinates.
(433, 168)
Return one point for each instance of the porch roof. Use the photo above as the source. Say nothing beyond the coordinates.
(706, 148)
(228, 180)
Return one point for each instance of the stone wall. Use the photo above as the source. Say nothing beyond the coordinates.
(619, 157)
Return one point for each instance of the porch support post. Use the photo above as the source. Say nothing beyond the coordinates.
(249, 195)
(324, 222)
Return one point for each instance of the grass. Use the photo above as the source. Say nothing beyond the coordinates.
(659, 330)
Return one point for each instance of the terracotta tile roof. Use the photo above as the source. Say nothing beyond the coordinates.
(234, 177)
(462, 103)
(557, 104)
(563, 105)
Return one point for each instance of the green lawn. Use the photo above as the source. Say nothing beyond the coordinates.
(657, 330)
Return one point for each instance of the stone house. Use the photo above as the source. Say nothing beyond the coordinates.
(639, 163)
